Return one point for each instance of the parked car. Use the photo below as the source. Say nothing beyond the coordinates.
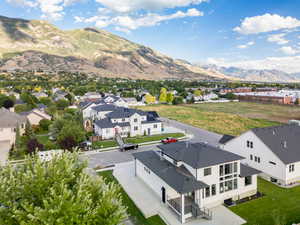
(85, 145)
(169, 140)
(128, 146)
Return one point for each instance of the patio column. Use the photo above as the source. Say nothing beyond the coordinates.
(200, 198)
(182, 209)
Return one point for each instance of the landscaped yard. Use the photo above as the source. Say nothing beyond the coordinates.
(134, 213)
(48, 144)
(279, 207)
(136, 140)
(212, 119)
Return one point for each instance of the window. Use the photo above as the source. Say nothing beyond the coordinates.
(135, 120)
(123, 119)
(235, 184)
(213, 190)
(248, 180)
(249, 144)
(228, 185)
(273, 163)
(235, 167)
(228, 168)
(207, 171)
(155, 126)
(136, 128)
(207, 192)
(291, 168)
(258, 159)
(221, 170)
(251, 157)
(255, 159)
(221, 187)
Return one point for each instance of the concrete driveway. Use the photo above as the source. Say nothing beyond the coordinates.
(149, 203)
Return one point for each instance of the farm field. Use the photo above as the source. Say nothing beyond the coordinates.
(228, 118)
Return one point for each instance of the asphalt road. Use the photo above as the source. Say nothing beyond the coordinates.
(110, 158)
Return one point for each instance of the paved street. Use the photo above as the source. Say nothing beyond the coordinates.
(113, 157)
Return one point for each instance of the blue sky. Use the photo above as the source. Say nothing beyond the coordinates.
(251, 34)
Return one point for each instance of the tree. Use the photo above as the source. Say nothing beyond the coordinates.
(230, 96)
(8, 103)
(71, 130)
(149, 99)
(163, 95)
(57, 192)
(177, 100)
(45, 124)
(198, 93)
(28, 130)
(170, 97)
(62, 104)
(67, 143)
(33, 145)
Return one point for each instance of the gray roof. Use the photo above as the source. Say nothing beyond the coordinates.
(10, 119)
(283, 141)
(106, 123)
(179, 178)
(105, 107)
(122, 112)
(248, 171)
(198, 155)
(225, 138)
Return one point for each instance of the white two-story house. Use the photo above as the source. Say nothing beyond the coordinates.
(126, 122)
(190, 178)
(273, 150)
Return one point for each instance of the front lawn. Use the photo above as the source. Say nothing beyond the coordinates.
(279, 206)
(135, 140)
(134, 213)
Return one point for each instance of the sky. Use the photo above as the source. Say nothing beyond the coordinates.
(252, 34)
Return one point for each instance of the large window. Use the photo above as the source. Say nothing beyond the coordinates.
(135, 128)
(207, 171)
(248, 180)
(207, 192)
(135, 120)
(249, 144)
(228, 168)
(228, 177)
(221, 170)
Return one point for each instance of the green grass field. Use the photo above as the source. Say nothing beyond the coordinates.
(214, 118)
(279, 206)
(134, 213)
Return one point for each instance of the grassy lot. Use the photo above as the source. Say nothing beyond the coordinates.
(48, 144)
(279, 113)
(135, 140)
(132, 210)
(202, 116)
(279, 207)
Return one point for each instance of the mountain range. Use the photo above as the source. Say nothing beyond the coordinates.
(254, 75)
(36, 44)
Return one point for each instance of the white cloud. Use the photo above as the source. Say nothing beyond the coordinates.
(288, 50)
(129, 22)
(127, 6)
(288, 64)
(51, 9)
(266, 23)
(278, 38)
(250, 43)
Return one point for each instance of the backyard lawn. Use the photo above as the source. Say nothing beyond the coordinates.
(279, 206)
(134, 213)
(212, 119)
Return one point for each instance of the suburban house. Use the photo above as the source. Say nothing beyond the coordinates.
(191, 178)
(133, 102)
(9, 121)
(40, 95)
(35, 116)
(273, 150)
(111, 120)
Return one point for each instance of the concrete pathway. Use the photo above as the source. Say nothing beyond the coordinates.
(149, 203)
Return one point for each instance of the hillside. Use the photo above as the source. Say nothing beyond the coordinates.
(254, 75)
(33, 45)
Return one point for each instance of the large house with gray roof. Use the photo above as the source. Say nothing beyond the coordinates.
(191, 178)
(110, 120)
(273, 150)
(9, 122)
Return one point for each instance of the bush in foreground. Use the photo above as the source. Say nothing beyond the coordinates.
(57, 192)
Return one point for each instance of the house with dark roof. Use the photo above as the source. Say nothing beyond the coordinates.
(273, 150)
(191, 178)
(110, 120)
